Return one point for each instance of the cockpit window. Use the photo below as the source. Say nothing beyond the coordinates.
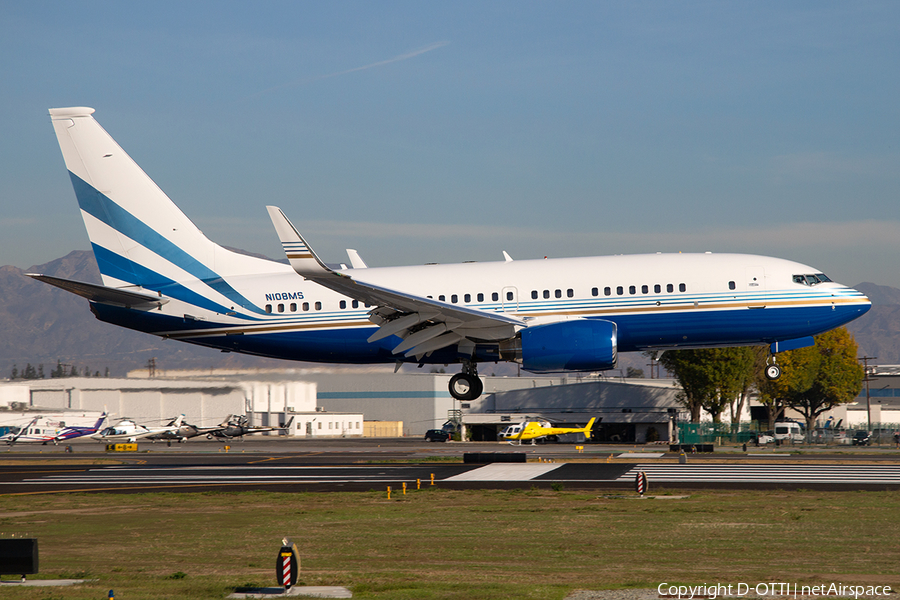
(811, 279)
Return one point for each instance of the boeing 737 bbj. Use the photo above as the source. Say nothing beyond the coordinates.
(161, 275)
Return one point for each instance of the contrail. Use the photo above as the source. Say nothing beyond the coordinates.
(380, 63)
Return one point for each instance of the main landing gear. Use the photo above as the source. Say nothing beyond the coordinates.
(466, 385)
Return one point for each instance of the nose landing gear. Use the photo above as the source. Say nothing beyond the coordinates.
(773, 371)
(466, 385)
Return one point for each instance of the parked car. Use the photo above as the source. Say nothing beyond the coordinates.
(862, 438)
(766, 437)
(789, 430)
(436, 435)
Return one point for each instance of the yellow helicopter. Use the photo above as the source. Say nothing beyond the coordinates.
(532, 430)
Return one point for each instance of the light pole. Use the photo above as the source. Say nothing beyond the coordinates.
(866, 360)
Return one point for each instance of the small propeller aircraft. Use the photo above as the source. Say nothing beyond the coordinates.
(236, 426)
(127, 430)
(541, 428)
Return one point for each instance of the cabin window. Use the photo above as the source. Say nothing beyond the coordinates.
(645, 289)
(657, 288)
(595, 292)
(682, 287)
(305, 306)
(454, 298)
(546, 293)
(509, 295)
(442, 298)
(268, 308)
(632, 289)
(570, 293)
(281, 308)
(481, 297)
(670, 288)
(343, 304)
(607, 291)
(620, 290)
(293, 307)
(495, 296)
(355, 304)
(731, 285)
(534, 294)
(558, 293)
(467, 298)
(318, 306)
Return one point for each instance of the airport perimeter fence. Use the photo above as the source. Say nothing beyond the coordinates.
(750, 433)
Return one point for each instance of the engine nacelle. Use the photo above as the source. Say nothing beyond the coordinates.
(577, 345)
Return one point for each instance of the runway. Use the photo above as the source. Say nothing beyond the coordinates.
(339, 471)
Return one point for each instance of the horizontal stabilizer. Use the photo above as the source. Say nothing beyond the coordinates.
(102, 294)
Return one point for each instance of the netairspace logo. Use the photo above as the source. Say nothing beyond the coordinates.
(780, 588)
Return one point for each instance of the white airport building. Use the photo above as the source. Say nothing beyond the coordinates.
(336, 402)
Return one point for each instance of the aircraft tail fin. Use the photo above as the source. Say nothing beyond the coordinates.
(589, 428)
(138, 235)
(99, 422)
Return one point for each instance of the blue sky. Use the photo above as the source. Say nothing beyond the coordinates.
(440, 132)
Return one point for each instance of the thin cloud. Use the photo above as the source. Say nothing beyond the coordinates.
(381, 63)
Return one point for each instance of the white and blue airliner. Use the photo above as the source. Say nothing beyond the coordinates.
(163, 276)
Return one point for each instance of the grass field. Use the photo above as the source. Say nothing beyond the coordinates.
(437, 543)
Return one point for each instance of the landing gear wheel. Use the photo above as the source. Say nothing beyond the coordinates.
(773, 372)
(465, 386)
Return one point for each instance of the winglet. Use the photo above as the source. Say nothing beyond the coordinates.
(300, 255)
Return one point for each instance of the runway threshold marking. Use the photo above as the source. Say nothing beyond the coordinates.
(769, 473)
(506, 472)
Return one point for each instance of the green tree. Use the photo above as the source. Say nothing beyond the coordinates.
(712, 379)
(816, 379)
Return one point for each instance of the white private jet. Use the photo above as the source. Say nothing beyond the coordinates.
(161, 275)
(127, 430)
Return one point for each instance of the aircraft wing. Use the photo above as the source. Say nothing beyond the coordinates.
(424, 324)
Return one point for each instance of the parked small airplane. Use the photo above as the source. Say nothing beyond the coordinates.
(163, 276)
(185, 432)
(237, 426)
(127, 430)
(51, 428)
(541, 428)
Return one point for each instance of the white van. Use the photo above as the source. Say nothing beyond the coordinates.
(789, 430)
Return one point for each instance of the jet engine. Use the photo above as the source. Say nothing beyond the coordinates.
(576, 345)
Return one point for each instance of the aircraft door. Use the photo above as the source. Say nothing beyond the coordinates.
(756, 278)
(509, 298)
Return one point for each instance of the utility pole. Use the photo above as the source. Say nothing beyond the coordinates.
(866, 360)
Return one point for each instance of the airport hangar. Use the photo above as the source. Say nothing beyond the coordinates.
(344, 402)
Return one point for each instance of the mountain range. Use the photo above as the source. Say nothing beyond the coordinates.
(41, 325)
